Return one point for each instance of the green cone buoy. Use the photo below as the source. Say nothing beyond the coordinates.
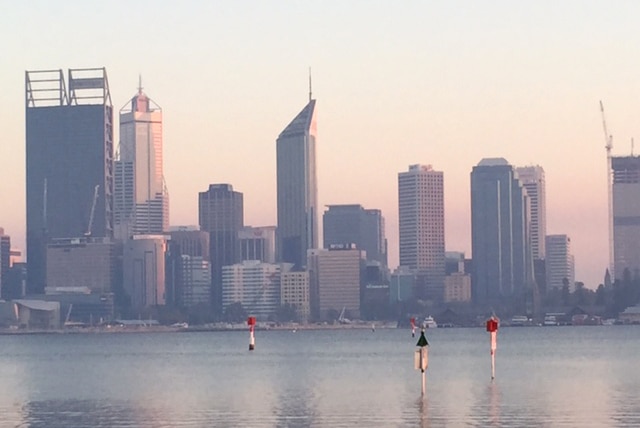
(422, 342)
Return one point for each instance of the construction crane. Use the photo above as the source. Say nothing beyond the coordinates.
(93, 210)
(608, 145)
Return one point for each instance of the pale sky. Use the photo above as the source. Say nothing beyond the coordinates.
(397, 83)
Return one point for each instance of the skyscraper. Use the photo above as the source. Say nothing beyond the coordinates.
(345, 224)
(69, 154)
(502, 264)
(221, 213)
(559, 262)
(421, 222)
(532, 178)
(626, 215)
(141, 200)
(297, 188)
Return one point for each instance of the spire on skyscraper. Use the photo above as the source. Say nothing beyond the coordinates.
(310, 93)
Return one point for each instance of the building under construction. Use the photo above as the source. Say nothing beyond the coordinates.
(625, 194)
(69, 161)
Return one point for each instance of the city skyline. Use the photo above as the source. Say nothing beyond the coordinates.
(396, 85)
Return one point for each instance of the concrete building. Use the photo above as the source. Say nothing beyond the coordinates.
(335, 281)
(258, 243)
(344, 224)
(502, 263)
(297, 188)
(221, 213)
(532, 179)
(255, 285)
(83, 262)
(141, 199)
(144, 270)
(421, 221)
(457, 287)
(294, 290)
(37, 314)
(626, 215)
(69, 156)
(560, 265)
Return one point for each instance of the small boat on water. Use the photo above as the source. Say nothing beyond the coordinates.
(429, 322)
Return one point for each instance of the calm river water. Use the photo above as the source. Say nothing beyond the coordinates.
(545, 377)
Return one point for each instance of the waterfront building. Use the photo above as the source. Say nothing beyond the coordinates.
(141, 199)
(560, 265)
(502, 265)
(90, 263)
(294, 290)
(144, 270)
(532, 179)
(258, 243)
(625, 193)
(354, 224)
(297, 188)
(69, 161)
(335, 281)
(421, 224)
(221, 213)
(253, 284)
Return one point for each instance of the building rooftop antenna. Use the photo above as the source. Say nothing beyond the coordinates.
(140, 83)
(310, 93)
(631, 146)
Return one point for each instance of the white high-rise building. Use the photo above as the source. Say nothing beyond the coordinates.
(532, 178)
(421, 220)
(141, 199)
(255, 285)
(559, 262)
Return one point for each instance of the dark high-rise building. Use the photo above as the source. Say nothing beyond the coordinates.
(5, 259)
(502, 263)
(352, 224)
(221, 213)
(69, 154)
(297, 188)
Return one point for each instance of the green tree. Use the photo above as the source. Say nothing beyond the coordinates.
(235, 313)
(286, 313)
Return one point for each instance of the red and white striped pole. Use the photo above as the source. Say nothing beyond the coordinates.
(413, 326)
(492, 328)
(251, 321)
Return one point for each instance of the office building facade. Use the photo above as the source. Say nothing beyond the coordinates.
(258, 243)
(502, 265)
(532, 179)
(144, 270)
(345, 224)
(255, 285)
(69, 161)
(421, 224)
(141, 199)
(560, 264)
(221, 213)
(297, 188)
(625, 194)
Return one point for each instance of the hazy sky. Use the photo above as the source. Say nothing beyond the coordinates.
(397, 83)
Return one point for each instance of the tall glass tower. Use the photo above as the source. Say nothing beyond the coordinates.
(69, 153)
(297, 188)
(502, 263)
(141, 197)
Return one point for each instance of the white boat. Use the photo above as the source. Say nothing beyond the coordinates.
(429, 322)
